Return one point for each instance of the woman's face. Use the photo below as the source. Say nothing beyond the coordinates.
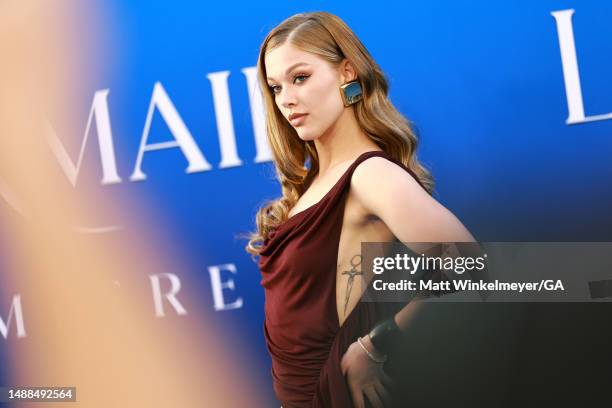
(304, 84)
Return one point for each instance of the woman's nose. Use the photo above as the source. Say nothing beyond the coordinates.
(287, 98)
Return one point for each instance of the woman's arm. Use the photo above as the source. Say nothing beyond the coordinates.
(413, 216)
(390, 193)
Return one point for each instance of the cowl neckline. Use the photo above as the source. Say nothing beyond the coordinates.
(291, 221)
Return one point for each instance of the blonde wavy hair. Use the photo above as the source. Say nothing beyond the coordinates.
(327, 36)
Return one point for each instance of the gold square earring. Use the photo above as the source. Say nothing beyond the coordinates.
(351, 92)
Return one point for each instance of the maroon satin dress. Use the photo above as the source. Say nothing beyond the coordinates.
(302, 330)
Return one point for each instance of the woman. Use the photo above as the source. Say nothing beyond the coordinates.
(345, 158)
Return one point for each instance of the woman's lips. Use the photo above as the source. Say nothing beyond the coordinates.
(297, 120)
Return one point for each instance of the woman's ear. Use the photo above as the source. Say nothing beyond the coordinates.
(347, 71)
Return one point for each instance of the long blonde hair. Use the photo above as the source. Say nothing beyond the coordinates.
(327, 36)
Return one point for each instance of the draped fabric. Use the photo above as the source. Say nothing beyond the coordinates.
(302, 330)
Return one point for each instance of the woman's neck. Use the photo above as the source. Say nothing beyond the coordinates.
(343, 141)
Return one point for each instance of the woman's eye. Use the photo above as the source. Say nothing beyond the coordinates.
(303, 78)
(275, 89)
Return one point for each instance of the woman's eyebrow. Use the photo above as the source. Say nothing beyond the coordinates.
(289, 69)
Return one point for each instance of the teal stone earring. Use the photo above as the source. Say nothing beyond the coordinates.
(351, 92)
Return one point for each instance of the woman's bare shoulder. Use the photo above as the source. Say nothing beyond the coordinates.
(377, 173)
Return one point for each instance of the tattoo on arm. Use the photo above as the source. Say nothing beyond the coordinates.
(355, 262)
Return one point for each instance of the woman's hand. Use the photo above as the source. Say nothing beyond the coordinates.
(364, 376)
